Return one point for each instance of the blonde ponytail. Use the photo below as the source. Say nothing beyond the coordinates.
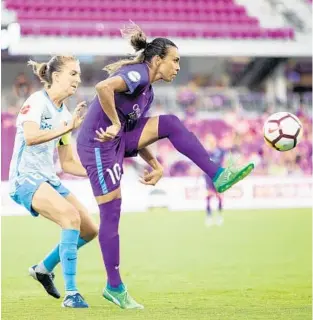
(44, 70)
(40, 70)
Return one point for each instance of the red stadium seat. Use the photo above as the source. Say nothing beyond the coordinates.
(199, 18)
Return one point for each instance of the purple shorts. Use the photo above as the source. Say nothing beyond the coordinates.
(104, 164)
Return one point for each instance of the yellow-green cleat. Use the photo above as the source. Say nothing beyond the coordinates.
(230, 176)
(121, 299)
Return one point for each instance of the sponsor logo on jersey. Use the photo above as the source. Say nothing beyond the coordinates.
(135, 114)
(25, 109)
(45, 125)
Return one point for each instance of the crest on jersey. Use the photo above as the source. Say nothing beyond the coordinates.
(133, 76)
(25, 109)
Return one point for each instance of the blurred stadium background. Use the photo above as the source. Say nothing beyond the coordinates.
(241, 60)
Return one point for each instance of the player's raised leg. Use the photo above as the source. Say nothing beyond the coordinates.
(50, 204)
(169, 126)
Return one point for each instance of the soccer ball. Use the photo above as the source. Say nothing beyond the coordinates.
(282, 131)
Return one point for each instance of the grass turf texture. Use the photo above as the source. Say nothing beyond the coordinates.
(256, 266)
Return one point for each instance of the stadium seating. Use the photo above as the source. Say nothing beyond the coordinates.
(180, 18)
(249, 142)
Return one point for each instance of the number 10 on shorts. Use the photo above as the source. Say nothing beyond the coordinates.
(115, 173)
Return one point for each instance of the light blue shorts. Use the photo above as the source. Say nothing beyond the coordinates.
(25, 191)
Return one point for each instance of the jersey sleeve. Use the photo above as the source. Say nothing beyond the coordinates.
(31, 110)
(135, 76)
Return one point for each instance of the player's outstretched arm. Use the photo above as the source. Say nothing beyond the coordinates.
(34, 135)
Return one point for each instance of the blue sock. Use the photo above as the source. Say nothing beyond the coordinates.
(68, 256)
(53, 258)
(120, 288)
(219, 171)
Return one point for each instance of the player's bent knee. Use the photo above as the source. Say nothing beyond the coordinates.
(171, 119)
(89, 230)
(89, 234)
(70, 218)
(168, 122)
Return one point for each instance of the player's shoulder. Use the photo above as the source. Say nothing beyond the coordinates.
(135, 72)
(35, 97)
(139, 67)
(34, 104)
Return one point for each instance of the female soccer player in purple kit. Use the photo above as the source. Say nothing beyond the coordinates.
(115, 127)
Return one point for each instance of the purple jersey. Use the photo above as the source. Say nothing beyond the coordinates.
(104, 160)
(131, 105)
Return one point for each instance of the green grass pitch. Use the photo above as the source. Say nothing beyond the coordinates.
(256, 266)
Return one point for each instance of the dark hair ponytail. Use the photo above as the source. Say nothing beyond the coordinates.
(138, 41)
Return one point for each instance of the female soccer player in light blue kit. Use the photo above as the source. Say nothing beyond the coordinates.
(118, 116)
(43, 124)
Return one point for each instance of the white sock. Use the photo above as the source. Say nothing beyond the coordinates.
(70, 293)
(41, 268)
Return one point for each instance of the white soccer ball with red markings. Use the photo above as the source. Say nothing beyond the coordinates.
(282, 131)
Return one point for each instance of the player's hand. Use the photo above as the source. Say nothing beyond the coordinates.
(78, 116)
(151, 178)
(109, 134)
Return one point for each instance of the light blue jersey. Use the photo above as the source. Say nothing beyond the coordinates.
(32, 164)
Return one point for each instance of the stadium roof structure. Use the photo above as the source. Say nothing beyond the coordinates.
(31, 45)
